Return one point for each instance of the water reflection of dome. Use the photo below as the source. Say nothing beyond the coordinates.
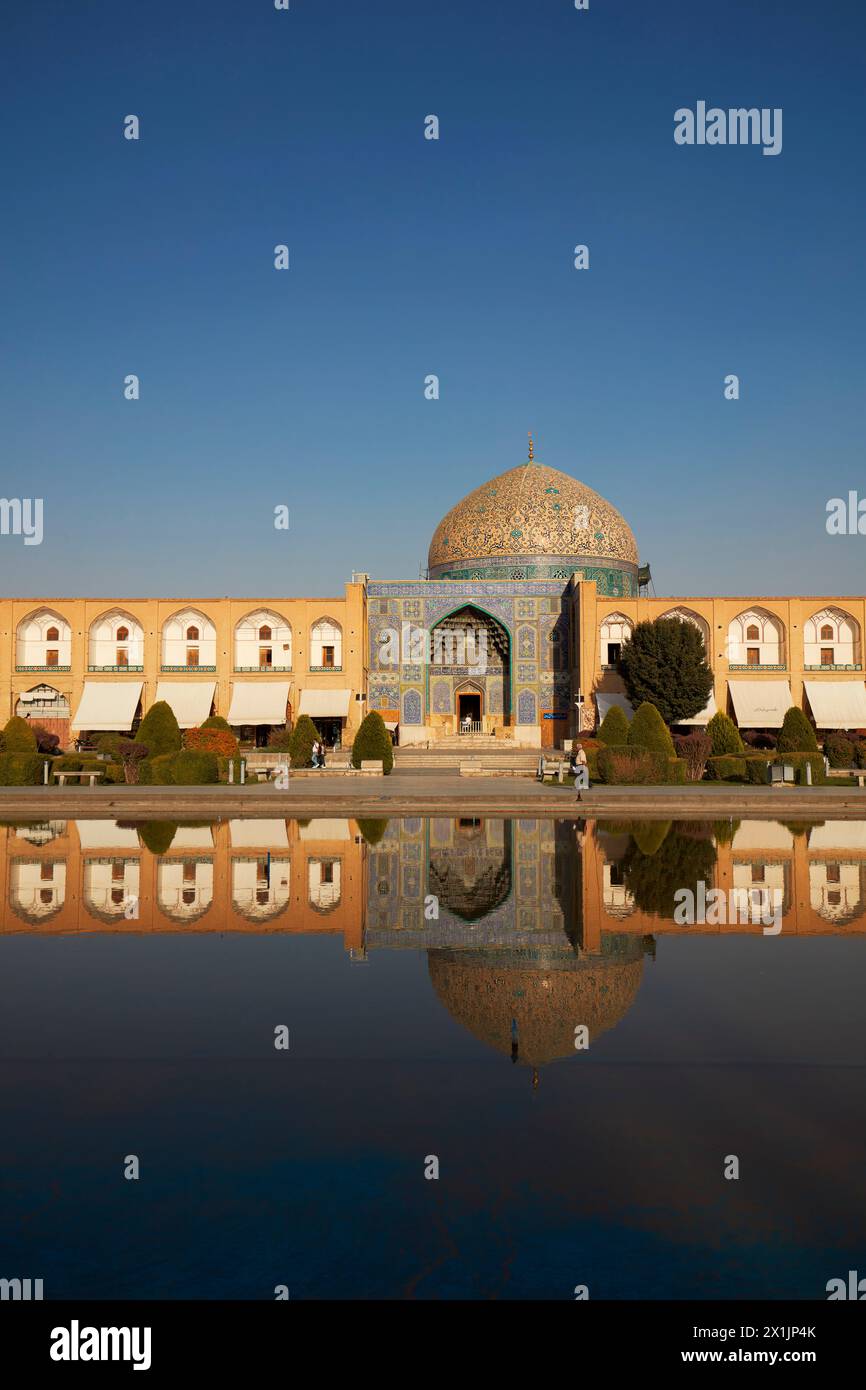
(545, 995)
(471, 877)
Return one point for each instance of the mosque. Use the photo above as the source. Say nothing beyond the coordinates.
(533, 582)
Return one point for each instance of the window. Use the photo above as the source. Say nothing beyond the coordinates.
(834, 873)
(614, 649)
(753, 656)
(826, 633)
(834, 898)
(192, 634)
(752, 633)
(758, 874)
(123, 634)
(327, 873)
(52, 635)
(265, 634)
(46, 873)
(192, 656)
(826, 656)
(117, 871)
(266, 658)
(52, 658)
(122, 657)
(328, 657)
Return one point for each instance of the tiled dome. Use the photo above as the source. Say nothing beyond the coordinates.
(531, 510)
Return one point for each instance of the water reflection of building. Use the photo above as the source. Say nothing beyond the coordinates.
(531, 927)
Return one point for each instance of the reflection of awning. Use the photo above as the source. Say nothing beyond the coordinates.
(255, 834)
(760, 704)
(326, 830)
(754, 835)
(190, 700)
(835, 835)
(259, 702)
(605, 698)
(106, 834)
(330, 704)
(108, 706)
(704, 716)
(837, 704)
(192, 837)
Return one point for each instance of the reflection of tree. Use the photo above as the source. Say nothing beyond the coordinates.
(682, 860)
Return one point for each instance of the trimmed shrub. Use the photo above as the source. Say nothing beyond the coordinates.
(373, 741)
(21, 769)
(839, 750)
(649, 835)
(45, 741)
(159, 730)
(694, 749)
(757, 771)
(280, 740)
(614, 727)
(216, 721)
(304, 735)
(726, 768)
(372, 830)
(161, 770)
(219, 741)
(648, 730)
(157, 835)
(18, 737)
(113, 773)
(110, 744)
(725, 735)
(639, 767)
(799, 761)
(725, 830)
(132, 754)
(190, 768)
(797, 734)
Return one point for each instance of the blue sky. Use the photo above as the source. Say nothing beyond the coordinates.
(411, 257)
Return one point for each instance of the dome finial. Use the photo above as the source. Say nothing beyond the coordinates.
(530, 447)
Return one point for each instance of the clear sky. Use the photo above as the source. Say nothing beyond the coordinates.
(410, 256)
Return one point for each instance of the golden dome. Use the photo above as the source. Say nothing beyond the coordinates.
(532, 510)
(487, 991)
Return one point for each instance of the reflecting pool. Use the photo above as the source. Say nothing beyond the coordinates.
(520, 1001)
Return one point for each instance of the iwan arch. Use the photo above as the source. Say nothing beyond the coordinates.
(533, 583)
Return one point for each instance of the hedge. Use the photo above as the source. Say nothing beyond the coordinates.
(212, 740)
(614, 727)
(192, 769)
(627, 766)
(18, 737)
(648, 730)
(726, 768)
(753, 767)
(21, 769)
(373, 741)
(159, 730)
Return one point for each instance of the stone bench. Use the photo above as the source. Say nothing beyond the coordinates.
(551, 767)
(65, 776)
(372, 767)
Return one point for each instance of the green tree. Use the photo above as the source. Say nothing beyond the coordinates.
(725, 735)
(373, 741)
(614, 727)
(647, 730)
(304, 735)
(680, 861)
(664, 663)
(797, 734)
(216, 721)
(372, 830)
(159, 730)
(18, 737)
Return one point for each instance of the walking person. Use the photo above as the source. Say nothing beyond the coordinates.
(580, 769)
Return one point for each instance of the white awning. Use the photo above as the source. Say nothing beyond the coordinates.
(326, 830)
(760, 704)
(837, 704)
(108, 706)
(605, 698)
(258, 834)
(106, 834)
(330, 704)
(190, 700)
(259, 702)
(704, 716)
(390, 724)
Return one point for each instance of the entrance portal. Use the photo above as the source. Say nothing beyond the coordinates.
(469, 707)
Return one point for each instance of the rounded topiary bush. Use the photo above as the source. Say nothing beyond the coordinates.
(191, 768)
(161, 770)
(212, 740)
(725, 735)
(157, 835)
(159, 730)
(840, 750)
(18, 737)
(372, 830)
(216, 721)
(304, 735)
(20, 769)
(373, 741)
(648, 730)
(797, 734)
(614, 727)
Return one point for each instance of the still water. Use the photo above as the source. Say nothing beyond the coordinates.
(513, 999)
